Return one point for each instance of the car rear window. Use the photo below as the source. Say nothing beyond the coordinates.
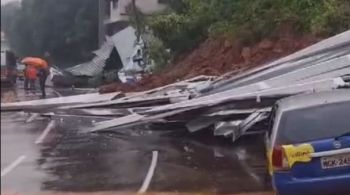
(314, 123)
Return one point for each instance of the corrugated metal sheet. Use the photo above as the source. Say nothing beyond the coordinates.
(124, 42)
(331, 48)
(95, 66)
(105, 49)
(91, 68)
(159, 112)
(59, 101)
(316, 68)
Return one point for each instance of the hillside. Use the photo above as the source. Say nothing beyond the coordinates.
(213, 37)
(216, 57)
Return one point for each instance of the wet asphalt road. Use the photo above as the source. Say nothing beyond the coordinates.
(70, 160)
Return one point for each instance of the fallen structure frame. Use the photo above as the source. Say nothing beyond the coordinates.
(228, 105)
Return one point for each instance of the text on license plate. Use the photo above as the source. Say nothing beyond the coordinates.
(335, 161)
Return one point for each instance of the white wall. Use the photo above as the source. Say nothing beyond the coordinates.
(149, 6)
(146, 7)
(119, 13)
(4, 46)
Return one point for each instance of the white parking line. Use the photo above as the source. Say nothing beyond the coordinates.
(57, 93)
(45, 132)
(13, 165)
(150, 173)
(32, 117)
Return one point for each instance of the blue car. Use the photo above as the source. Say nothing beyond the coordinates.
(308, 144)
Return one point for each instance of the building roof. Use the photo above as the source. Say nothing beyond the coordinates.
(313, 99)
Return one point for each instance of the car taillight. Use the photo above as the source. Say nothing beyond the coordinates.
(279, 160)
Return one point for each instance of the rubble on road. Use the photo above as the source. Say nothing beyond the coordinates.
(320, 67)
(173, 93)
(230, 105)
(59, 101)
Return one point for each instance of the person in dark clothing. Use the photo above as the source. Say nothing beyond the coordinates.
(11, 66)
(26, 80)
(42, 74)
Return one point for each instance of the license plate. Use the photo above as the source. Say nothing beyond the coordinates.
(335, 161)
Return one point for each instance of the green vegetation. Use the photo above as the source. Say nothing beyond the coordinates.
(246, 21)
(66, 28)
(159, 54)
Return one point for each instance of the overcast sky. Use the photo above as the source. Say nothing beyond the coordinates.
(6, 1)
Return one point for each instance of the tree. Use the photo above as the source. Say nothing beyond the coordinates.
(66, 29)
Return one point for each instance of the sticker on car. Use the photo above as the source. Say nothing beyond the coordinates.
(298, 153)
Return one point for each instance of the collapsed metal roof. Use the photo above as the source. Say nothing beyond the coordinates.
(316, 68)
(124, 41)
(95, 66)
(59, 101)
(230, 107)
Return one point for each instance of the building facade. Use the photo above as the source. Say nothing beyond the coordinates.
(120, 49)
(4, 43)
(115, 14)
(117, 10)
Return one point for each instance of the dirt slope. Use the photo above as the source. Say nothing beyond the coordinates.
(216, 57)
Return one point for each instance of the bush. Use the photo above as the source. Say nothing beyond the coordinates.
(159, 54)
(247, 21)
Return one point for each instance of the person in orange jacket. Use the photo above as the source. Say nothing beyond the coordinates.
(31, 76)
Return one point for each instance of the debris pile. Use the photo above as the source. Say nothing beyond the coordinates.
(217, 56)
(231, 105)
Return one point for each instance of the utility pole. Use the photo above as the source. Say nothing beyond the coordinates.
(101, 18)
(138, 31)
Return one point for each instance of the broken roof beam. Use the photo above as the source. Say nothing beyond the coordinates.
(130, 121)
(232, 95)
(176, 109)
(202, 122)
(248, 123)
(341, 72)
(169, 93)
(292, 70)
(226, 128)
(327, 49)
(127, 102)
(59, 101)
(315, 69)
(295, 75)
(237, 111)
(93, 112)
